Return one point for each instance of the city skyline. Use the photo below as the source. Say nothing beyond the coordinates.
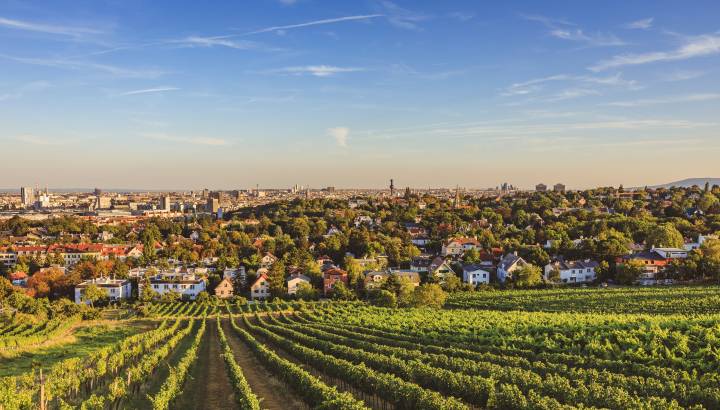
(179, 95)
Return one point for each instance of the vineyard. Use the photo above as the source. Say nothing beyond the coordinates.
(332, 355)
(650, 300)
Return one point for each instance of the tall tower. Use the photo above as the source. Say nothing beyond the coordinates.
(392, 188)
(458, 200)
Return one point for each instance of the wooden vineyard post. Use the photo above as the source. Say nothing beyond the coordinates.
(42, 391)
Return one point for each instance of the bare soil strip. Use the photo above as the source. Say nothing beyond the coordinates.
(371, 401)
(208, 385)
(273, 393)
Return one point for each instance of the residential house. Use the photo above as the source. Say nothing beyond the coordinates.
(671, 253)
(224, 289)
(18, 278)
(509, 264)
(331, 277)
(458, 246)
(440, 269)
(655, 261)
(187, 285)
(579, 271)
(476, 274)
(293, 281)
(115, 289)
(420, 264)
(260, 289)
(374, 280)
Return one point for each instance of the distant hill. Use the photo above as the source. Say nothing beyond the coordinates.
(685, 183)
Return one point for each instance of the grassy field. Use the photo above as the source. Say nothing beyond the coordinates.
(81, 341)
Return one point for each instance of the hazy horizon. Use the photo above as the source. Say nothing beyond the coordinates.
(351, 94)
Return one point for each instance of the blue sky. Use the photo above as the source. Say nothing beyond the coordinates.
(182, 95)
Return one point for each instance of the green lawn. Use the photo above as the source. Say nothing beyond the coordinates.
(83, 341)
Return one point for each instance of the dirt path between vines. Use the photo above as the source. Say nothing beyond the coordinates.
(274, 394)
(208, 386)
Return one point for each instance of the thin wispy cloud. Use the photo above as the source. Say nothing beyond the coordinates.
(571, 93)
(509, 130)
(699, 46)
(217, 41)
(313, 23)
(682, 75)
(666, 100)
(185, 140)
(37, 140)
(70, 31)
(149, 91)
(594, 40)
(569, 31)
(461, 16)
(316, 70)
(340, 135)
(85, 65)
(401, 17)
(538, 84)
(643, 24)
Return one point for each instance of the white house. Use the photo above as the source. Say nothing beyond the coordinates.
(293, 281)
(115, 289)
(188, 286)
(572, 271)
(509, 264)
(671, 253)
(476, 274)
(260, 289)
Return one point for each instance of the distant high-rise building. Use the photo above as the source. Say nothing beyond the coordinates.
(213, 205)
(97, 191)
(457, 202)
(392, 188)
(103, 202)
(559, 187)
(541, 187)
(330, 189)
(165, 202)
(27, 195)
(43, 200)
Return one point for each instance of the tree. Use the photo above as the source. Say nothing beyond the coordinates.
(472, 255)
(429, 295)
(92, 293)
(664, 235)
(554, 275)
(341, 292)
(202, 297)
(707, 201)
(354, 271)
(148, 294)
(276, 278)
(384, 298)
(452, 283)
(170, 297)
(629, 272)
(306, 291)
(527, 276)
